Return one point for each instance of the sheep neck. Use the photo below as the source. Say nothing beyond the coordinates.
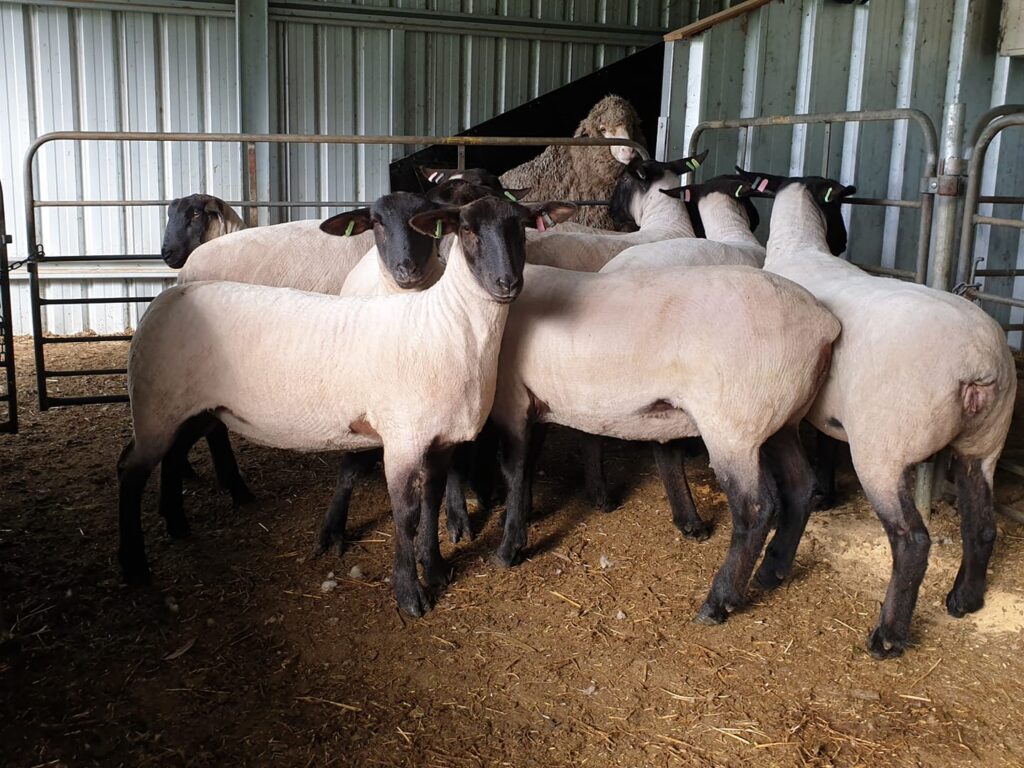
(725, 221)
(797, 227)
(658, 211)
(458, 295)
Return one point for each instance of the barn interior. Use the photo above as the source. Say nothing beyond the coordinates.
(249, 649)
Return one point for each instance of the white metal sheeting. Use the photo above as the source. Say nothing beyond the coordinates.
(169, 66)
(812, 56)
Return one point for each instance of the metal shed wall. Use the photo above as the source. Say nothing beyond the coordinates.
(390, 66)
(807, 56)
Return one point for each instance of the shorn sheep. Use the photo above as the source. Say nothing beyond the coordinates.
(637, 197)
(914, 371)
(584, 173)
(192, 221)
(659, 355)
(321, 377)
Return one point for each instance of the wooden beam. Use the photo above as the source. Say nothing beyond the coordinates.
(714, 19)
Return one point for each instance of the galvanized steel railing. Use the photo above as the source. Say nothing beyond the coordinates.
(9, 392)
(926, 201)
(38, 256)
(989, 126)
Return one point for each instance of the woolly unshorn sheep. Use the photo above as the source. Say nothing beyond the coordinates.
(584, 173)
(914, 371)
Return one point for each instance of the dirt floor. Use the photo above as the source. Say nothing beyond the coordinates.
(583, 655)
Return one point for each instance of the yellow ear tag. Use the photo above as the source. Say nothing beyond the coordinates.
(350, 227)
(693, 164)
(510, 196)
(437, 230)
(739, 190)
(828, 195)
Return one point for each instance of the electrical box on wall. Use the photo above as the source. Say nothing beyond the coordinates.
(1011, 29)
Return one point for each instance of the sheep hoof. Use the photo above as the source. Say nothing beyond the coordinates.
(329, 541)
(135, 571)
(768, 577)
(413, 599)
(698, 531)
(506, 557)
(960, 601)
(459, 529)
(881, 646)
(436, 578)
(241, 495)
(710, 615)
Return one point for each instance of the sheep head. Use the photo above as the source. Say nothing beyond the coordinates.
(613, 118)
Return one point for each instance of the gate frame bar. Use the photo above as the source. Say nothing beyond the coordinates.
(248, 143)
(10, 394)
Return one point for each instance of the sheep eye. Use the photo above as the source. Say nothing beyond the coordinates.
(195, 214)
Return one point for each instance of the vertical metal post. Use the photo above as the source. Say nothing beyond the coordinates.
(461, 164)
(948, 191)
(11, 423)
(252, 35)
(826, 149)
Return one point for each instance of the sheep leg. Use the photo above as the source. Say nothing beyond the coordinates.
(826, 458)
(435, 570)
(795, 480)
(671, 460)
(332, 531)
(225, 466)
(171, 475)
(483, 454)
(517, 468)
(456, 513)
(132, 474)
(909, 540)
(978, 535)
(594, 481)
(405, 483)
(752, 500)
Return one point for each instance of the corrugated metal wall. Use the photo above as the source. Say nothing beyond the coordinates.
(807, 56)
(79, 68)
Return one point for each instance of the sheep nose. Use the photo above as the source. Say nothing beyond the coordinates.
(508, 285)
(406, 269)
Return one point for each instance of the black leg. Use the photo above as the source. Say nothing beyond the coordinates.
(826, 458)
(332, 532)
(131, 480)
(910, 543)
(435, 570)
(456, 513)
(795, 481)
(403, 487)
(594, 481)
(483, 466)
(670, 458)
(978, 535)
(225, 466)
(171, 502)
(517, 470)
(753, 504)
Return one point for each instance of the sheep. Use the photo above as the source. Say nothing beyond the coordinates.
(916, 370)
(428, 388)
(192, 221)
(584, 173)
(721, 211)
(636, 197)
(661, 355)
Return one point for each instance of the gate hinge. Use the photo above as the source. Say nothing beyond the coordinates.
(8, 239)
(946, 185)
(38, 254)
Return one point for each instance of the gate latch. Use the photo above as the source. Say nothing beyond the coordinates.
(946, 185)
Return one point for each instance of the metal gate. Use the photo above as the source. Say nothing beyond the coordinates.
(929, 185)
(38, 257)
(8, 389)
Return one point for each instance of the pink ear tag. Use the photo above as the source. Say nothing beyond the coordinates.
(686, 195)
(541, 226)
(761, 185)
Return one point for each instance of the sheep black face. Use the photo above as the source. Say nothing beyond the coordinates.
(731, 185)
(638, 179)
(460, 192)
(827, 195)
(480, 176)
(405, 252)
(491, 235)
(191, 221)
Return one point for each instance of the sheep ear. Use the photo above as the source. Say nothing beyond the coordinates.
(686, 194)
(764, 183)
(435, 175)
(544, 215)
(832, 192)
(515, 195)
(687, 164)
(437, 223)
(636, 167)
(348, 224)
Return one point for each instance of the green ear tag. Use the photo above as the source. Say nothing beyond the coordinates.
(693, 164)
(739, 189)
(350, 227)
(510, 196)
(828, 195)
(437, 230)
